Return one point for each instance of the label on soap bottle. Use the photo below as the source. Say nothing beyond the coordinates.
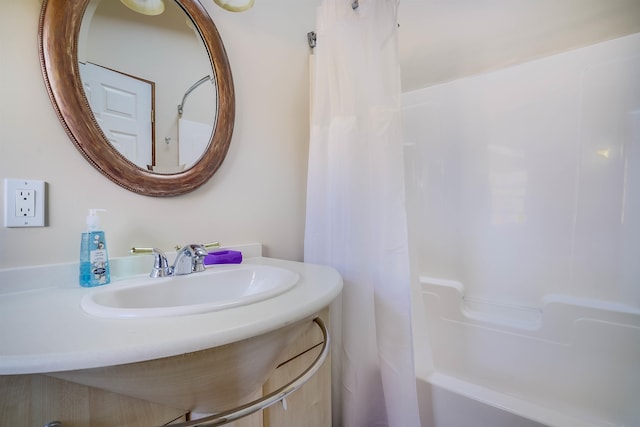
(99, 259)
(94, 260)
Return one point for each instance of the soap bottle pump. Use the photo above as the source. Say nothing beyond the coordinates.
(94, 260)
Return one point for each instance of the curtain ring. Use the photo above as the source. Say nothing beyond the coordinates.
(311, 39)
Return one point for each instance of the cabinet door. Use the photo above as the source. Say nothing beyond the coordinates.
(35, 400)
(310, 405)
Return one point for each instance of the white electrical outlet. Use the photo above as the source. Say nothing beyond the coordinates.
(24, 203)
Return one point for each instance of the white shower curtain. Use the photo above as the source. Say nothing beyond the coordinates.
(356, 220)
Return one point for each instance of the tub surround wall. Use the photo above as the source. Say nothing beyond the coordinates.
(527, 180)
(257, 194)
(524, 197)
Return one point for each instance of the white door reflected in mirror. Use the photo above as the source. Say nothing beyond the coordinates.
(165, 51)
(122, 107)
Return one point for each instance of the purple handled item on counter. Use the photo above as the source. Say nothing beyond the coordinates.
(223, 257)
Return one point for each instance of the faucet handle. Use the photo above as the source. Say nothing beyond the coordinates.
(160, 264)
(211, 245)
(200, 252)
(204, 245)
(199, 262)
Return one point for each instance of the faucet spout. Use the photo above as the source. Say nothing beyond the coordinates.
(190, 259)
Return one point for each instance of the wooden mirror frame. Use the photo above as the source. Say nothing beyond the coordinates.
(58, 32)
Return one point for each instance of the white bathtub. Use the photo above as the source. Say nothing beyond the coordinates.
(441, 407)
(573, 363)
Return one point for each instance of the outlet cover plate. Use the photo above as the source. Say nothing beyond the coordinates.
(12, 216)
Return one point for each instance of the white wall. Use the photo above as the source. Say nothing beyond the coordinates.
(257, 195)
(526, 181)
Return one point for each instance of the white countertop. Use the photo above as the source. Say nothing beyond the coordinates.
(44, 329)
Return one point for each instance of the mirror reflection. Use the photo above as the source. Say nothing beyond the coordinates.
(149, 83)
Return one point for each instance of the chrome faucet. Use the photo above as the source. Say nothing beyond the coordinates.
(190, 259)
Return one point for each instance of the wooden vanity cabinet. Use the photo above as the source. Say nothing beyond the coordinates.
(35, 400)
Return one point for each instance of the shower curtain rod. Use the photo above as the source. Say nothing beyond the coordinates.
(195, 85)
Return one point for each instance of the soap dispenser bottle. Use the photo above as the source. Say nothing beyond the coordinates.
(94, 261)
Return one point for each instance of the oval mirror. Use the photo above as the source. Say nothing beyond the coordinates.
(204, 107)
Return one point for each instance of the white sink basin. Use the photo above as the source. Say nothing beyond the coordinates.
(215, 289)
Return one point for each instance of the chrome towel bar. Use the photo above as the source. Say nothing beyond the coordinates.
(271, 398)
